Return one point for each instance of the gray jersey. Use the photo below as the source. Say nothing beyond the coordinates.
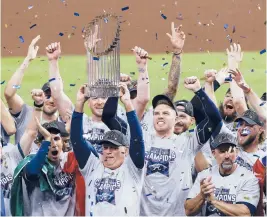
(168, 177)
(22, 121)
(9, 162)
(94, 132)
(239, 187)
(60, 203)
(112, 192)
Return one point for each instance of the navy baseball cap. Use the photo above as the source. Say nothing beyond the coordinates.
(114, 137)
(223, 138)
(251, 118)
(188, 107)
(159, 99)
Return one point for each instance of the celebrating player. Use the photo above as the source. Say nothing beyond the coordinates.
(225, 189)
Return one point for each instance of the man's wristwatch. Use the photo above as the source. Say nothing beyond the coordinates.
(38, 106)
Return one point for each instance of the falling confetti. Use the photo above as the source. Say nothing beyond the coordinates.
(73, 27)
(263, 51)
(76, 14)
(163, 16)
(52, 79)
(233, 29)
(61, 34)
(3, 82)
(95, 58)
(33, 26)
(72, 85)
(252, 70)
(148, 195)
(132, 73)
(125, 8)
(165, 64)
(16, 86)
(30, 7)
(106, 20)
(21, 39)
(180, 16)
(225, 26)
(203, 63)
(262, 103)
(228, 79)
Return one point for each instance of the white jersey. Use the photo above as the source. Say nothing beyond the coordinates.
(248, 160)
(239, 187)
(9, 162)
(94, 132)
(168, 177)
(112, 192)
(60, 203)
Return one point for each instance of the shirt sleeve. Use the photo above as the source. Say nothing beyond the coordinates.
(249, 194)
(22, 121)
(16, 154)
(91, 164)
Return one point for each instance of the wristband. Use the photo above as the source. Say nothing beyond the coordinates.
(38, 106)
(177, 54)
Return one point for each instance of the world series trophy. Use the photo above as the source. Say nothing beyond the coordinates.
(102, 41)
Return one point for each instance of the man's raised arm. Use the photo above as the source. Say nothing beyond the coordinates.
(14, 101)
(177, 39)
(62, 101)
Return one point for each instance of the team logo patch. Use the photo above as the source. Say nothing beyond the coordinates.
(64, 184)
(158, 160)
(94, 136)
(106, 190)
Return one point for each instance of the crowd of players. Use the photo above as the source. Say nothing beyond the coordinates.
(188, 157)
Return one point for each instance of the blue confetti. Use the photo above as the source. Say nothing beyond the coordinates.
(125, 8)
(83, 29)
(95, 58)
(263, 51)
(106, 20)
(228, 79)
(262, 103)
(76, 14)
(3, 82)
(225, 26)
(16, 86)
(51, 79)
(185, 189)
(163, 16)
(74, 27)
(165, 64)
(192, 130)
(72, 85)
(21, 39)
(61, 34)
(148, 195)
(91, 213)
(30, 7)
(252, 70)
(33, 26)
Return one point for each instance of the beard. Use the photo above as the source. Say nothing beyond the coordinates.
(49, 112)
(227, 118)
(249, 141)
(182, 128)
(227, 165)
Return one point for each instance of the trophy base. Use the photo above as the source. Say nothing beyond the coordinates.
(103, 92)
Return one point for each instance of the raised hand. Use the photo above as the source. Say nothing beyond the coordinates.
(124, 93)
(125, 78)
(53, 51)
(91, 41)
(177, 38)
(235, 56)
(82, 96)
(210, 75)
(32, 50)
(192, 83)
(240, 81)
(140, 57)
(38, 96)
(222, 76)
(42, 130)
